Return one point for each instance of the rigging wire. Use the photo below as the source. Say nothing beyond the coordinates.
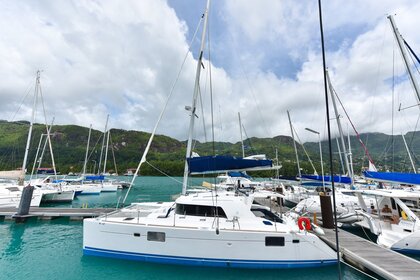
(113, 154)
(212, 130)
(163, 172)
(354, 128)
(166, 103)
(304, 149)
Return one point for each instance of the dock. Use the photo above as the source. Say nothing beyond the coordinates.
(367, 255)
(49, 213)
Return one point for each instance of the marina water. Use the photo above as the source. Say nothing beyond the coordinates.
(53, 249)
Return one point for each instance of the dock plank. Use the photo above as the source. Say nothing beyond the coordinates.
(384, 262)
(57, 212)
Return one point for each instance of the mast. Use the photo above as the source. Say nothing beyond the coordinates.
(50, 147)
(350, 157)
(341, 156)
(113, 155)
(400, 43)
(106, 151)
(340, 129)
(409, 154)
(294, 145)
(87, 151)
(103, 144)
(43, 149)
(194, 99)
(28, 141)
(240, 131)
(36, 156)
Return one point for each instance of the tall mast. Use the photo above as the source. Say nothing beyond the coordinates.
(340, 129)
(341, 156)
(103, 144)
(106, 151)
(240, 131)
(409, 154)
(294, 145)
(28, 141)
(87, 151)
(43, 149)
(399, 39)
(194, 99)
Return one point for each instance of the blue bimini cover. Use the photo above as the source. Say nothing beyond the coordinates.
(95, 177)
(337, 178)
(214, 164)
(396, 177)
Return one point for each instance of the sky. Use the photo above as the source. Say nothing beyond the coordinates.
(263, 58)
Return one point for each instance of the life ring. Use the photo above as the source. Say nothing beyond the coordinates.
(304, 223)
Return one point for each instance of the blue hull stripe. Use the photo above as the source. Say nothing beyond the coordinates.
(205, 261)
(407, 251)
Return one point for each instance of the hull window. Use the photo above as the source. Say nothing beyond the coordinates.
(156, 236)
(274, 241)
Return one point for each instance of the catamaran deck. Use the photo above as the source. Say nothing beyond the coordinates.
(367, 255)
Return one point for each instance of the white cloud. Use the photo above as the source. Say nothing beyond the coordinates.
(121, 58)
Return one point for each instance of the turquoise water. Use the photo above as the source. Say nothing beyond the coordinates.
(53, 249)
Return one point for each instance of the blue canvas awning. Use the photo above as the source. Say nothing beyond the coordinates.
(95, 177)
(394, 177)
(337, 178)
(215, 164)
(236, 174)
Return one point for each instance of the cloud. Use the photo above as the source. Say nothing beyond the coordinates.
(108, 57)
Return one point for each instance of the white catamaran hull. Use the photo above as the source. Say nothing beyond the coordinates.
(58, 196)
(195, 246)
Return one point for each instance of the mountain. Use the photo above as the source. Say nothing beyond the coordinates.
(167, 154)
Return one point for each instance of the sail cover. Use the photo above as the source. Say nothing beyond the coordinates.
(394, 177)
(337, 178)
(214, 164)
(95, 177)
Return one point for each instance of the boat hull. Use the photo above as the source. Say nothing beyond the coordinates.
(62, 196)
(203, 247)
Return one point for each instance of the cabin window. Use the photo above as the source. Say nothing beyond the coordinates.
(199, 210)
(156, 236)
(274, 241)
(393, 205)
(266, 214)
(295, 241)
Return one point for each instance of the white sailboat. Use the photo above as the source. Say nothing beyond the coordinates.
(213, 228)
(15, 188)
(396, 222)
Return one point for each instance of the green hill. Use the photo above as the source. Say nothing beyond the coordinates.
(167, 154)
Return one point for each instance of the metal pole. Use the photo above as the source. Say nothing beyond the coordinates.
(340, 129)
(106, 151)
(194, 100)
(103, 144)
(28, 140)
(87, 151)
(329, 138)
(409, 154)
(240, 131)
(294, 145)
(400, 43)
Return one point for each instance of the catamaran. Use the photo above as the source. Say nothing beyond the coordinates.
(212, 228)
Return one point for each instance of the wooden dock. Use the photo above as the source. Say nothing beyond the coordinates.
(367, 255)
(48, 213)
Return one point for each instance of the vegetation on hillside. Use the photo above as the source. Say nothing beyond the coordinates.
(167, 154)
